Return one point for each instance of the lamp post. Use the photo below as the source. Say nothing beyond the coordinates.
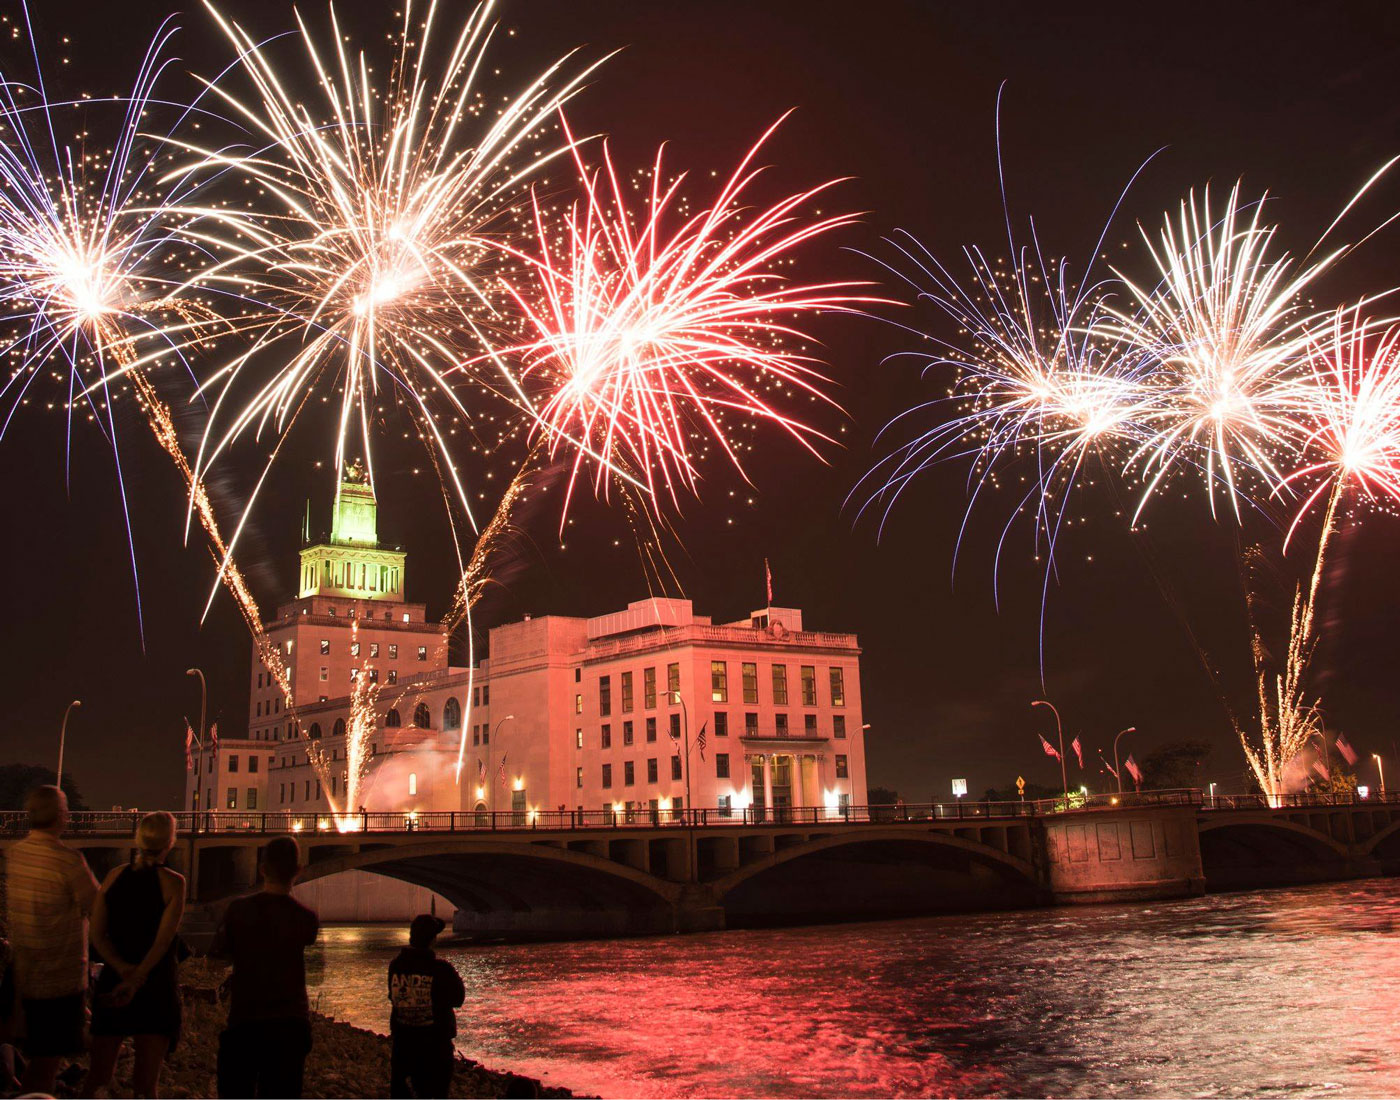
(1118, 771)
(63, 733)
(689, 805)
(495, 733)
(1380, 769)
(1059, 732)
(195, 803)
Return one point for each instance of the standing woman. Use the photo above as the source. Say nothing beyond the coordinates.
(135, 921)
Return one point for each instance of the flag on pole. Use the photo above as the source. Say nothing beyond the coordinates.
(768, 578)
(1078, 750)
(501, 774)
(189, 742)
(214, 737)
(1344, 747)
(1111, 769)
(700, 740)
(1131, 765)
(1321, 769)
(480, 770)
(1050, 749)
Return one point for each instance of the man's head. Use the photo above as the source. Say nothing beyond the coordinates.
(281, 860)
(48, 808)
(424, 930)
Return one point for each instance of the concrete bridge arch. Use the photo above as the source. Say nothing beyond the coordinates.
(1241, 851)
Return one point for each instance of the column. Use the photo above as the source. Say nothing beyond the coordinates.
(797, 784)
(768, 786)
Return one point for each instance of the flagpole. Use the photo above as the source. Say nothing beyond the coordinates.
(689, 807)
(1060, 733)
(1117, 770)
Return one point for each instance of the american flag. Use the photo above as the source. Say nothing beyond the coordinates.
(700, 740)
(1133, 769)
(1321, 769)
(214, 737)
(501, 774)
(1344, 747)
(1050, 749)
(480, 770)
(768, 578)
(1078, 751)
(189, 741)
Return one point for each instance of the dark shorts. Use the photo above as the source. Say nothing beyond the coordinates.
(54, 1026)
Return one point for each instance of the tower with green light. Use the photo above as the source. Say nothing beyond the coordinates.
(352, 563)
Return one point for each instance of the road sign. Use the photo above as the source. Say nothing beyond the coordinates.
(959, 787)
(1020, 784)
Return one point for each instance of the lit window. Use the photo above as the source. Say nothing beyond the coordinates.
(578, 738)
(649, 688)
(412, 783)
(578, 777)
(405, 616)
(719, 682)
(838, 687)
(626, 692)
(393, 651)
(726, 805)
(393, 676)
(780, 685)
(232, 798)
(325, 672)
(325, 646)
(354, 649)
(422, 653)
(374, 649)
(842, 767)
(809, 685)
(750, 672)
(578, 704)
(673, 679)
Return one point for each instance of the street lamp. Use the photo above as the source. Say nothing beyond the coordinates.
(1059, 731)
(63, 733)
(495, 732)
(203, 713)
(1118, 771)
(689, 804)
(1380, 769)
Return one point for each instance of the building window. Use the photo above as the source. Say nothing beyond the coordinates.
(809, 724)
(392, 719)
(452, 714)
(838, 725)
(422, 717)
(780, 722)
(578, 777)
(393, 651)
(257, 713)
(607, 735)
(232, 799)
(626, 693)
(719, 682)
(393, 676)
(842, 767)
(233, 762)
(629, 773)
(486, 733)
(675, 727)
(578, 704)
(838, 687)
(578, 738)
(578, 675)
(412, 783)
(252, 765)
(338, 730)
(780, 685)
(374, 649)
(354, 649)
(750, 672)
(809, 685)
(354, 675)
(604, 695)
(476, 735)
(721, 765)
(325, 646)
(282, 792)
(476, 696)
(335, 785)
(649, 688)
(651, 728)
(721, 723)
(314, 733)
(485, 695)
(726, 805)
(607, 776)
(422, 653)
(626, 733)
(652, 773)
(307, 796)
(750, 724)
(673, 682)
(325, 672)
(675, 767)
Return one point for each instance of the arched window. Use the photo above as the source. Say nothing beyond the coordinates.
(338, 730)
(422, 717)
(315, 731)
(452, 715)
(392, 720)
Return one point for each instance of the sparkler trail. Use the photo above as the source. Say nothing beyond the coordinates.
(649, 330)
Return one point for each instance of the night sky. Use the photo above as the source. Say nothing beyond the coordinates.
(1298, 98)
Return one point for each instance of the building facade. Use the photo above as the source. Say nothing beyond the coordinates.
(650, 708)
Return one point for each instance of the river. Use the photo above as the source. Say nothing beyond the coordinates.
(1282, 992)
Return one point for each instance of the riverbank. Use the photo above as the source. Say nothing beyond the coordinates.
(345, 1061)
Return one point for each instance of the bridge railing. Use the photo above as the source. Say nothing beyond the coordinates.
(1256, 801)
(123, 823)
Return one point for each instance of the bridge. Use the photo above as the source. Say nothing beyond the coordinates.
(551, 874)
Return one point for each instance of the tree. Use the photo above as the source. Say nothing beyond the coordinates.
(1009, 793)
(1174, 765)
(17, 780)
(881, 796)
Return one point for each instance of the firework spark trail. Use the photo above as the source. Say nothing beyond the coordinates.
(651, 329)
